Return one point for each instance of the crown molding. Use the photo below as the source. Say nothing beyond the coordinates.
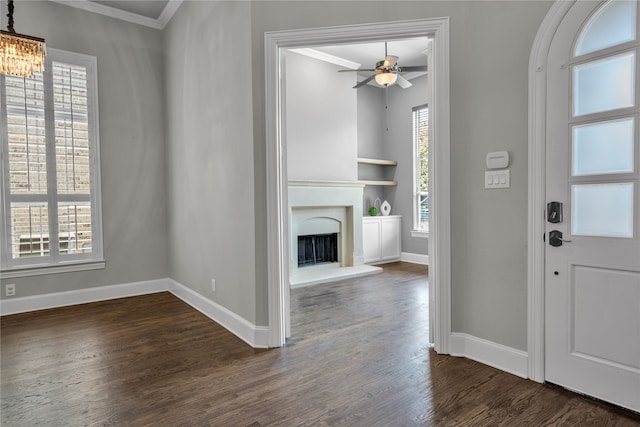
(168, 12)
(312, 53)
(158, 24)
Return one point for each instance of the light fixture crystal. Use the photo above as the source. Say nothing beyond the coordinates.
(20, 55)
(386, 78)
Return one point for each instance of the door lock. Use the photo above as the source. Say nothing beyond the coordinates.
(554, 212)
(555, 238)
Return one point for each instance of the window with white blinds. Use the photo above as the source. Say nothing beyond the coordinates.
(50, 164)
(421, 168)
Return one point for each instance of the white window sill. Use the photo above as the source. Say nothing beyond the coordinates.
(51, 269)
(422, 234)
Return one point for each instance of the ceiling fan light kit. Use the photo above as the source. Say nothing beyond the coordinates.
(20, 55)
(386, 78)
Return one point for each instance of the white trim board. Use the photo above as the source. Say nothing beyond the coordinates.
(414, 258)
(81, 296)
(536, 187)
(255, 336)
(497, 355)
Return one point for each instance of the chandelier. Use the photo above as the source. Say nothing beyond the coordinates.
(20, 55)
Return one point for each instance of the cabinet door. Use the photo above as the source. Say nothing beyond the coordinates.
(390, 238)
(371, 240)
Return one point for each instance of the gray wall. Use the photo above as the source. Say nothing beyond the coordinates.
(321, 116)
(210, 153)
(490, 47)
(399, 146)
(131, 100)
(216, 132)
(371, 139)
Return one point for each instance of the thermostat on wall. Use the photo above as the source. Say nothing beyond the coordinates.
(497, 160)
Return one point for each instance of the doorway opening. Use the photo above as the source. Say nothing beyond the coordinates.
(277, 150)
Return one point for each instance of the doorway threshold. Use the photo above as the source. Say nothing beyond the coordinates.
(325, 274)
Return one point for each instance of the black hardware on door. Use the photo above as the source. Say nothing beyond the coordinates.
(555, 238)
(554, 212)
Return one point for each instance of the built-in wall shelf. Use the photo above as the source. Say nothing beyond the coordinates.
(379, 162)
(371, 182)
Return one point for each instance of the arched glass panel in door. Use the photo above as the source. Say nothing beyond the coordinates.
(604, 116)
(611, 25)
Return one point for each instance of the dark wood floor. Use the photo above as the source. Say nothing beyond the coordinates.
(359, 357)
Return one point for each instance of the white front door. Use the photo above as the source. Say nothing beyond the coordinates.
(592, 255)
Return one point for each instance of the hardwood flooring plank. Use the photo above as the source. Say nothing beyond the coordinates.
(358, 357)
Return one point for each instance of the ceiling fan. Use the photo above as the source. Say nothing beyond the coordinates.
(387, 72)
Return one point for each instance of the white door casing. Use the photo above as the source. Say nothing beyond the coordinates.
(592, 280)
(439, 241)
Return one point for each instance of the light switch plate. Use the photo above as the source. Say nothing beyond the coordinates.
(497, 179)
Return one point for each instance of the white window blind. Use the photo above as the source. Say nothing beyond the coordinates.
(421, 168)
(50, 166)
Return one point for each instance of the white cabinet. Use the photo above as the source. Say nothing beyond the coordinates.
(381, 238)
(371, 246)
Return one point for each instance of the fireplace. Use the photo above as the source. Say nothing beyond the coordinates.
(317, 210)
(317, 249)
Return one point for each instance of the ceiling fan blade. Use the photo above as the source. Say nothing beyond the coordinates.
(413, 68)
(389, 61)
(402, 82)
(357, 71)
(364, 82)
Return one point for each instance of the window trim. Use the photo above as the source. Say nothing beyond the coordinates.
(43, 269)
(10, 267)
(417, 230)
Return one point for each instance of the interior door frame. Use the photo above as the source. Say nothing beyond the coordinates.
(277, 188)
(536, 187)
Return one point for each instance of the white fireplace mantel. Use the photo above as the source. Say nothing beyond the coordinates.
(325, 196)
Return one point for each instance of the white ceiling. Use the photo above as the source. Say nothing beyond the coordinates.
(409, 52)
(149, 8)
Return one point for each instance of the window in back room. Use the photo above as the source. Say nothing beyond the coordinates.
(421, 169)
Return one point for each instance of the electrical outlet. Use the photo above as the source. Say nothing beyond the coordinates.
(10, 290)
(213, 285)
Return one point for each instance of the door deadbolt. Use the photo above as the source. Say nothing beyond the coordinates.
(554, 212)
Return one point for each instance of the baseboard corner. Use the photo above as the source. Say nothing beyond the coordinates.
(489, 353)
(255, 336)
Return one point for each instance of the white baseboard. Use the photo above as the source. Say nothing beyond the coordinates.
(414, 258)
(255, 336)
(497, 355)
(81, 296)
